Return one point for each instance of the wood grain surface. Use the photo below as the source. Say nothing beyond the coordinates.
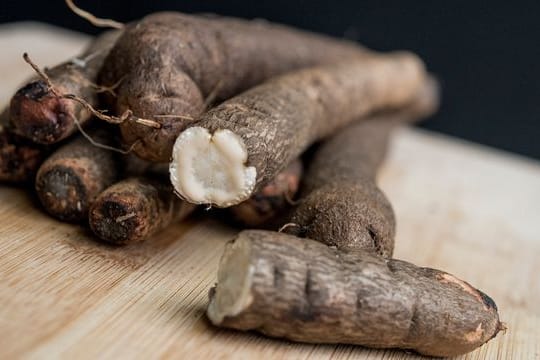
(472, 211)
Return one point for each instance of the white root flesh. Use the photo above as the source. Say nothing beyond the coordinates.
(232, 295)
(211, 168)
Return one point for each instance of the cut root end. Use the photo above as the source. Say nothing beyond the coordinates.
(210, 169)
(232, 296)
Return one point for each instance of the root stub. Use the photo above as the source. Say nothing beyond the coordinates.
(302, 290)
(74, 175)
(134, 209)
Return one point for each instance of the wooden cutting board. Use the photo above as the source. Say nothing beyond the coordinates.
(470, 210)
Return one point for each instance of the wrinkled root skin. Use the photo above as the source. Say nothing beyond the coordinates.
(340, 203)
(272, 201)
(135, 209)
(176, 91)
(347, 215)
(305, 291)
(171, 63)
(279, 119)
(41, 116)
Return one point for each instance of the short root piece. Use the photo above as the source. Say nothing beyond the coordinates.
(69, 181)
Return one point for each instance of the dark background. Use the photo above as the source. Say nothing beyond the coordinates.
(486, 54)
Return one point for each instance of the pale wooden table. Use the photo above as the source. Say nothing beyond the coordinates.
(470, 210)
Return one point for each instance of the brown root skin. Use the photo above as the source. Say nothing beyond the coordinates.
(174, 64)
(272, 201)
(273, 123)
(358, 150)
(19, 158)
(352, 215)
(134, 209)
(69, 181)
(340, 203)
(43, 117)
(305, 291)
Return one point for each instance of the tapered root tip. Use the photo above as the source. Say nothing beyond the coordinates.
(232, 295)
(39, 115)
(211, 168)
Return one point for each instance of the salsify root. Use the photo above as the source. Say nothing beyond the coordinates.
(175, 64)
(243, 143)
(302, 290)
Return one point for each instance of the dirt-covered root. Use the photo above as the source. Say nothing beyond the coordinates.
(134, 209)
(19, 157)
(272, 201)
(339, 202)
(43, 117)
(302, 290)
(352, 215)
(173, 65)
(69, 181)
(246, 141)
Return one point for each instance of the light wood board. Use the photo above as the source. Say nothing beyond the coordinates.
(472, 211)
